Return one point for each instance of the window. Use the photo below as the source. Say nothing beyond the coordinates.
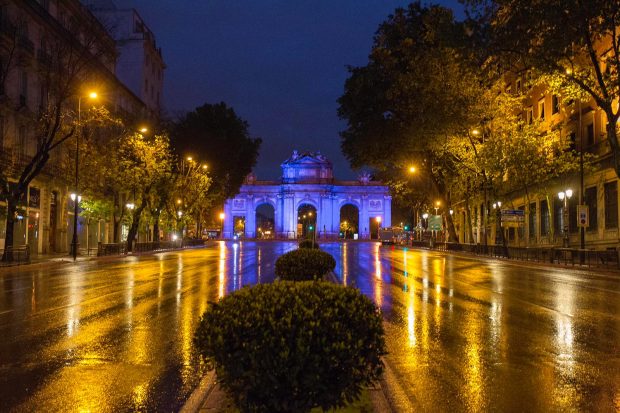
(541, 108)
(590, 134)
(572, 141)
(544, 218)
(532, 220)
(611, 205)
(558, 216)
(591, 202)
(529, 115)
(555, 104)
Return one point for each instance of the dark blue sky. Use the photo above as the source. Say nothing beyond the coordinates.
(280, 64)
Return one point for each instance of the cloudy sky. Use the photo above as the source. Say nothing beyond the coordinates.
(281, 64)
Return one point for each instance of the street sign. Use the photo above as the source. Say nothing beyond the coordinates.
(435, 223)
(513, 215)
(583, 216)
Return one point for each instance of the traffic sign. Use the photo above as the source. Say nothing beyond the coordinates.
(435, 223)
(583, 216)
(513, 215)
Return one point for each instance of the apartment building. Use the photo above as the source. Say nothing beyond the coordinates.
(27, 29)
(583, 126)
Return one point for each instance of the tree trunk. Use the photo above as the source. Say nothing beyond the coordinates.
(156, 226)
(469, 226)
(11, 208)
(135, 222)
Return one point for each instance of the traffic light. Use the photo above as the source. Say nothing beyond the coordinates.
(406, 227)
(311, 227)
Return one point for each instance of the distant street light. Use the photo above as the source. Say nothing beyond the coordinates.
(222, 215)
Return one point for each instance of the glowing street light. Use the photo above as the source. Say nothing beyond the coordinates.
(412, 169)
(222, 216)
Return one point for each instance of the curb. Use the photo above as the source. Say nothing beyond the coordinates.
(200, 394)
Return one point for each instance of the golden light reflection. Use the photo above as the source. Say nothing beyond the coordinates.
(140, 395)
(473, 383)
(411, 321)
(221, 270)
(74, 308)
(345, 263)
(378, 278)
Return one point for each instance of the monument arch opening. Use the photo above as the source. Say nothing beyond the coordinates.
(306, 221)
(265, 221)
(349, 221)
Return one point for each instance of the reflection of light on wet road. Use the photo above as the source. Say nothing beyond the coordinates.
(222, 269)
(378, 275)
(462, 333)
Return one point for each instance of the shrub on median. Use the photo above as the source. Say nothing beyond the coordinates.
(307, 243)
(304, 265)
(293, 346)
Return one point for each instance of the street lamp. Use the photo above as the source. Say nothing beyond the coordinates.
(497, 207)
(378, 219)
(412, 169)
(222, 215)
(74, 241)
(565, 196)
(437, 206)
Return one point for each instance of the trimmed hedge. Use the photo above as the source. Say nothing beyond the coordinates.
(307, 243)
(304, 265)
(293, 346)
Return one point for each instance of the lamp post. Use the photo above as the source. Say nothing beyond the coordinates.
(497, 207)
(76, 198)
(565, 196)
(378, 219)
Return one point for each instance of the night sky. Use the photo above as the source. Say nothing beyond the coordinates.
(280, 64)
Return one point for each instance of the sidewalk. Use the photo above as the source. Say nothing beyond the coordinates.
(65, 258)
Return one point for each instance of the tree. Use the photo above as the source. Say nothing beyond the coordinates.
(188, 197)
(69, 61)
(420, 90)
(145, 162)
(576, 43)
(215, 134)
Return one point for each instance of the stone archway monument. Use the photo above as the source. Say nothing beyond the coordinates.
(308, 179)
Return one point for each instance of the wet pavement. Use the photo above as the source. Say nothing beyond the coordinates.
(464, 334)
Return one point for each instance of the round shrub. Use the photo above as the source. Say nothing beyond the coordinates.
(293, 346)
(304, 265)
(307, 243)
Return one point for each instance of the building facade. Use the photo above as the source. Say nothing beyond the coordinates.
(583, 126)
(307, 200)
(30, 31)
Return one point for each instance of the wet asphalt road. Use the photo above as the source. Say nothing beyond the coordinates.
(463, 334)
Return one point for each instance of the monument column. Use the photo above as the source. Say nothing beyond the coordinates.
(387, 211)
(364, 230)
(327, 212)
(277, 216)
(250, 217)
(228, 220)
(288, 215)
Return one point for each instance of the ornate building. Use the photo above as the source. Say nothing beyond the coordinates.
(307, 199)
